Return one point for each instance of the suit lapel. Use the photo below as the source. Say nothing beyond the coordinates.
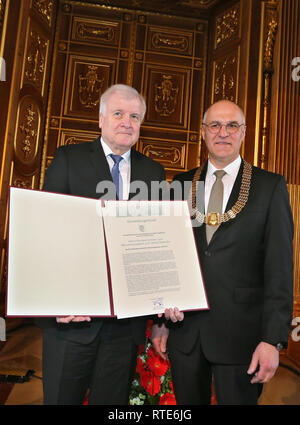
(137, 173)
(99, 162)
(200, 232)
(236, 188)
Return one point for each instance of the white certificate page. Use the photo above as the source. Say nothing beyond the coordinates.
(56, 257)
(153, 258)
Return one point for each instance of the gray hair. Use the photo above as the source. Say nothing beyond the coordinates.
(125, 91)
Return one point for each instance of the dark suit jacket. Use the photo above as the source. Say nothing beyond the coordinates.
(248, 274)
(76, 170)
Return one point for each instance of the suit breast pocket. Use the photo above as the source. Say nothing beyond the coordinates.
(248, 295)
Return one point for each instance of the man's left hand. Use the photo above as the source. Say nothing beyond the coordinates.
(173, 314)
(264, 363)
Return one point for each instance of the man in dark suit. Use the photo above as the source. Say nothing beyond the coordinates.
(245, 252)
(83, 352)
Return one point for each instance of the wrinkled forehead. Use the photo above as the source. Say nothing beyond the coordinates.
(125, 101)
(224, 111)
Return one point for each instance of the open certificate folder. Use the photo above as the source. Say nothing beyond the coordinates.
(69, 255)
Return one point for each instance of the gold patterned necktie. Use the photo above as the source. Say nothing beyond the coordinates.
(215, 202)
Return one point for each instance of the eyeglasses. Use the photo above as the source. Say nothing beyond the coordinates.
(230, 127)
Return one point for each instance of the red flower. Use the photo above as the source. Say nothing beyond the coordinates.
(141, 349)
(167, 398)
(156, 364)
(150, 382)
(140, 365)
(149, 329)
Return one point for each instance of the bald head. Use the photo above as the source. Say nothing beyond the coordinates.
(224, 105)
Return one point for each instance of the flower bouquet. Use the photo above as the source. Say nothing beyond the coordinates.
(152, 383)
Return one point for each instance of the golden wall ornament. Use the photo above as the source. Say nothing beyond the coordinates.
(35, 59)
(225, 84)
(90, 86)
(227, 26)
(169, 154)
(93, 31)
(170, 42)
(27, 130)
(44, 8)
(165, 96)
(22, 184)
(270, 30)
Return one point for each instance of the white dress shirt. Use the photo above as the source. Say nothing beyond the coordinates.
(228, 180)
(124, 168)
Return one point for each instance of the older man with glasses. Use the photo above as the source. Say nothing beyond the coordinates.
(98, 354)
(244, 241)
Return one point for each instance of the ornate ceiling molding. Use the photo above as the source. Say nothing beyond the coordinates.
(183, 7)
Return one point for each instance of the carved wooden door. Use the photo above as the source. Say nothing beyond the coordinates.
(163, 57)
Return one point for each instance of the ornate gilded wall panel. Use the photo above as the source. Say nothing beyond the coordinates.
(68, 137)
(93, 31)
(225, 82)
(167, 97)
(171, 155)
(44, 8)
(27, 132)
(18, 179)
(35, 59)
(28, 41)
(161, 56)
(87, 78)
(227, 26)
(174, 42)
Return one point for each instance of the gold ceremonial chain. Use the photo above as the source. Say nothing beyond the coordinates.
(214, 218)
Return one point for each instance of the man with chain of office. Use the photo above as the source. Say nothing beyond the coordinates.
(244, 241)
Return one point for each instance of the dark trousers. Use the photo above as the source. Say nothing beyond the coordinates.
(193, 375)
(105, 366)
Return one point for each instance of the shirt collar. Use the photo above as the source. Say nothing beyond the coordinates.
(107, 151)
(231, 169)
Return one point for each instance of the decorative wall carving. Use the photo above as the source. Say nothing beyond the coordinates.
(163, 57)
(173, 42)
(271, 26)
(97, 31)
(166, 96)
(27, 130)
(75, 137)
(170, 155)
(227, 26)
(225, 78)
(44, 8)
(270, 31)
(90, 85)
(35, 59)
(86, 82)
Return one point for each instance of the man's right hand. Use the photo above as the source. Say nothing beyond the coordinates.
(69, 319)
(159, 337)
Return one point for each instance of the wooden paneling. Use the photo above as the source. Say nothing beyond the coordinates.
(25, 101)
(163, 57)
(233, 61)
